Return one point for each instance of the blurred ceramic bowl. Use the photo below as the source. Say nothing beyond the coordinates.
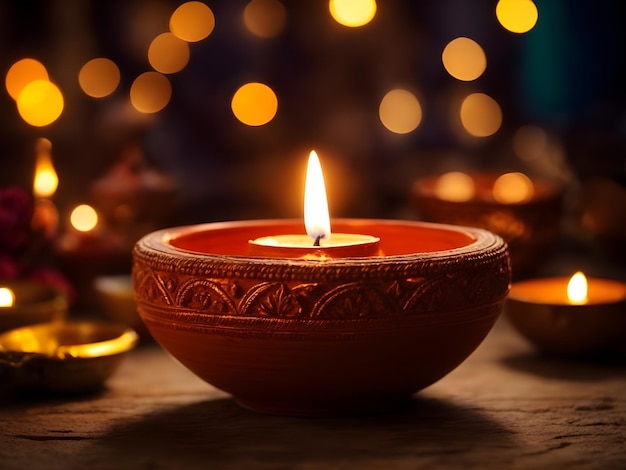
(114, 296)
(33, 302)
(61, 356)
(530, 224)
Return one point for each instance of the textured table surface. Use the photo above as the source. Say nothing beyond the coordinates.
(505, 407)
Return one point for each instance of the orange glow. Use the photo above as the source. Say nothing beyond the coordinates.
(400, 111)
(577, 289)
(46, 180)
(7, 298)
(455, 186)
(464, 59)
(168, 53)
(40, 103)
(316, 217)
(84, 218)
(150, 92)
(481, 115)
(265, 18)
(192, 21)
(22, 73)
(352, 13)
(254, 104)
(513, 188)
(517, 16)
(99, 77)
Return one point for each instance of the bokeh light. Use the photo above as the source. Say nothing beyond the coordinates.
(7, 298)
(254, 104)
(481, 115)
(150, 92)
(168, 53)
(265, 18)
(23, 72)
(84, 218)
(455, 186)
(464, 59)
(40, 103)
(99, 77)
(530, 143)
(352, 13)
(192, 21)
(517, 16)
(46, 179)
(513, 188)
(400, 111)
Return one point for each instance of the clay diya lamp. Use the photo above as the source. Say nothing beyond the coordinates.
(64, 357)
(26, 302)
(574, 316)
(321, 337)
(320, 324)
(525, 213)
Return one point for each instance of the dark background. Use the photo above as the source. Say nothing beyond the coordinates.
(566, 75)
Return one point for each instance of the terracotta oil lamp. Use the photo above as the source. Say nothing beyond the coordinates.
(320, 327)
(525, 212)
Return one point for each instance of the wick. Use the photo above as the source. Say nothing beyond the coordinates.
(317, 240)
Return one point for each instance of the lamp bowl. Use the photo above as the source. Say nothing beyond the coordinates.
(530, 227)
(328, 337)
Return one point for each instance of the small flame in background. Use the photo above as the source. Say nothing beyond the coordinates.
(7, 298)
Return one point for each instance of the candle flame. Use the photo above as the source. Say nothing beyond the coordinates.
(84, 218)
(7, 298)
(577, 288)
(46, 179)
(316, 217)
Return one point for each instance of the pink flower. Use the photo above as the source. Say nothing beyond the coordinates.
(16, 213)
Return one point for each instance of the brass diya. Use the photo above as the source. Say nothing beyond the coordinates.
(305, 337)
(34, 302)
(530, 226)
(62, 356)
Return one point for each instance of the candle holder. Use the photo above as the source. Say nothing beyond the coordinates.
(530, 226)
(329, 337)
(63, 357)
(35, 302)
(539, 311)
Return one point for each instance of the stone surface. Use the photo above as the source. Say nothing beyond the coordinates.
(505, 407)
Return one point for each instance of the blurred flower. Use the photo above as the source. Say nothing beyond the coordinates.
(25, 251)
(16, 212)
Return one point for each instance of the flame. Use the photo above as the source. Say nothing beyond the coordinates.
(84, 218)
(46, 180)
(316, 217)
(577, 288)
(7, 298)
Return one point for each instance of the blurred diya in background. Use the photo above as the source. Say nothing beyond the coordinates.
(61, 357)
(569, 316)
(525, 212)
(24, 302)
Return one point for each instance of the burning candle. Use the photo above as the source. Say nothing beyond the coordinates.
(569, 315)
(319, 242)
(45, 183)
